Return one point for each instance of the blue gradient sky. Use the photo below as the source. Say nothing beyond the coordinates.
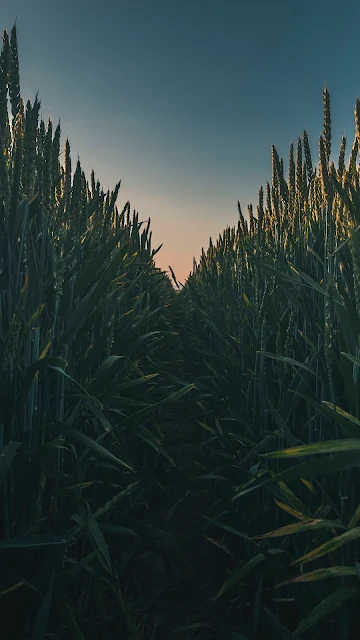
(182, 99)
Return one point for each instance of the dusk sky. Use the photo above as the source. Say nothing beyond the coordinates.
(182, 99)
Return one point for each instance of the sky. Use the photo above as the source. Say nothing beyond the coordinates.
(181, 100)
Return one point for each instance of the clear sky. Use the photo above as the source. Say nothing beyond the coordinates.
(182, 99)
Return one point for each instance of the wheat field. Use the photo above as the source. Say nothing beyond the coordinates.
(176, 461)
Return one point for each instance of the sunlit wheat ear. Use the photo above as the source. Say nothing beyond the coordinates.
(327, 125)
(353, 157)
(268, 205)
(323, 170)
(260, 209)
(298, 176)
(357, 120)
(307, 153)
(284, 189)
(251, 217)
(291, 173)
(341, 162)
(319, 198)
(304, 183)
(241, 218)
(276, 169)
(93, 185)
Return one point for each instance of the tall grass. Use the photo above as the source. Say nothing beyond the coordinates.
(83, 332)
(269, 327)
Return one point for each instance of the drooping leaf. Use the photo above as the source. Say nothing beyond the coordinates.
(330, 546)
(89, 443)
(326, 608)
(320, 574)
(298, 527)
